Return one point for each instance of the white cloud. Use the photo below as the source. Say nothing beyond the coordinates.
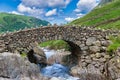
(40, 7)
(15, 12)
(51, 12)
(68, 19)
(46, 3)
(85, 5)
(80, 15)
(25, 9)
(77, 10)
(56, 3)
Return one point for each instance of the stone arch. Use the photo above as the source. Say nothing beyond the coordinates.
(75, 52)
(69, 60)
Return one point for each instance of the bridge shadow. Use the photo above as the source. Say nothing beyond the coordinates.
(73, 58)
(68, 60)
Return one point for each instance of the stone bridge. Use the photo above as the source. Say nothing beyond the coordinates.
(91, 43)
(83, 37)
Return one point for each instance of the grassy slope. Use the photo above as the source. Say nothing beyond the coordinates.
(106, 16)
(56, 44)
(11, 22)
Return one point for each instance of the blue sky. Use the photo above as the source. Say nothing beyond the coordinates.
(54, 11)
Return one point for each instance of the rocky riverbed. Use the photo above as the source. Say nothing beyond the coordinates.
(90, 66)
(14, 67)
(56, 66)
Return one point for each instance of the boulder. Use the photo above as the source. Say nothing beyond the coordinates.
(36, 54)
(87, 73)
(13, 67)
(36, 58)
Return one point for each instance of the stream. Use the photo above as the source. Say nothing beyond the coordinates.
(56, 70)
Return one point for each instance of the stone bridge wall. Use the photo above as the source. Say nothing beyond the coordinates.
(83, 37)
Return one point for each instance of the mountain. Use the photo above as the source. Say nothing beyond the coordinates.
(12, 22)
(105, 16)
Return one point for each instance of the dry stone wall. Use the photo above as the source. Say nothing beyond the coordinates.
(86, 39)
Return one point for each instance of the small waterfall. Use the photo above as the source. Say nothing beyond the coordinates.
(56, 69)
(49, 53)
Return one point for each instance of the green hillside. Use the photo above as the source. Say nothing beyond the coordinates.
(106, 16)
(104, 2)
(12, 22)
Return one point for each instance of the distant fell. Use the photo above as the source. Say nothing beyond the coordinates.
(13, 22)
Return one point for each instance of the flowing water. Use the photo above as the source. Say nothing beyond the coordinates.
(56, 70)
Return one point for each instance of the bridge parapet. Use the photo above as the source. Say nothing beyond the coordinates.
(83, 37)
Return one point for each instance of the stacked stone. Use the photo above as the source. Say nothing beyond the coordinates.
(94, 60)
(2, 46)
(74, 34)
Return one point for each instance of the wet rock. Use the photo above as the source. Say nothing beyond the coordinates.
(35, 58)
(36, 54)
(13, 67)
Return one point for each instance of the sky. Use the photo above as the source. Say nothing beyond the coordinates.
(54, 11)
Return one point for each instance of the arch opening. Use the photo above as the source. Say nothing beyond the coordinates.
(69, 60)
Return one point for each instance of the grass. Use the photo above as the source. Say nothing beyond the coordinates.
(23, 54)
(55, 44)
(112, 25)
(101, 14)
(115, 44)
